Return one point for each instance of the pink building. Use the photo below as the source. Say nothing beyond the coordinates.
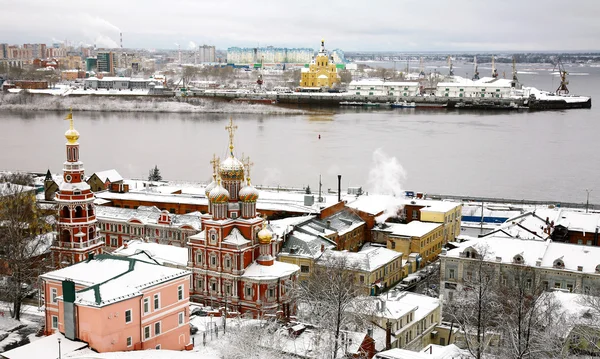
(119, 304)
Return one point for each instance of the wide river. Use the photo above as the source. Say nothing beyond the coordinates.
(522, 155)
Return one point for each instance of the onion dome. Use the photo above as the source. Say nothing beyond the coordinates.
(71, 135)
(264, 235)
(248, 193)
(210, 187)
(219, 194)
(231, 169)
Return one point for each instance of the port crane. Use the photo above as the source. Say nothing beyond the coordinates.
(494, 70)
(475, 70)
(451, 72)
(562, 88)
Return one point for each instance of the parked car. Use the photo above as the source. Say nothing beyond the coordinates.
(199, 312)
(193, 329)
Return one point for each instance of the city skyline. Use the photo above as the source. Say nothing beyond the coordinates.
(408, 25)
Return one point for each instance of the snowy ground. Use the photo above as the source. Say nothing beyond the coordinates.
(22, 101)
(15, 333)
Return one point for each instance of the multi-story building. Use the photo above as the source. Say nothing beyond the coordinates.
(383, 88)
(76, 227)
(270, 54)
(321, 73)
(563, 266)
(119, 304)
(445, 212)
(206, 53)
(102, 180)
(232, 259)
(577, 228)
(119, 225)
(375, 268)
(119, 83)
(425, 239)
(106, 62)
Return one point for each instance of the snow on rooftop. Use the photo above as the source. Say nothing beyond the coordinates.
(277, 270)
(147, 215)
(579, 221)
(283, 226)
(432, 351)
(139, 276)
(39, 349)
(235, 238)
(412, 229)
(162, 253)
(367, 259)
(111, 175)
(90, 272)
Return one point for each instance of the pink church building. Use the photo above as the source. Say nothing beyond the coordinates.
(119, 304)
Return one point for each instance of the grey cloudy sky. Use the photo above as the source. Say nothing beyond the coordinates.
(398, 25)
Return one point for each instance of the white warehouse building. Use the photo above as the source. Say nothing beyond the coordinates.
(486, 87)
(383, 88)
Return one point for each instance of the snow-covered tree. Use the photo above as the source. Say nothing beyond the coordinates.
(154, 174)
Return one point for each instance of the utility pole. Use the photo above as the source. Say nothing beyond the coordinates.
(587, 202)
(481, 227)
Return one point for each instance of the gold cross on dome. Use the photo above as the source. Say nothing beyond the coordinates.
(215, 164)
(231, 129)
(247, 165)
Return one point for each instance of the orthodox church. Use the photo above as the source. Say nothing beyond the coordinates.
(233, 258)
(321, 73)
(76, 227)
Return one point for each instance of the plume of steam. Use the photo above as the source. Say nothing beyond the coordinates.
(101, 31)
(385, 178)
(192, 45)
(176, 44)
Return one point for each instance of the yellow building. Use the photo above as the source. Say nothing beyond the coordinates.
(425, 239)
(446, 213)
(321, 73)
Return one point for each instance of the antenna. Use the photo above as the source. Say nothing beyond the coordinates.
(121, 37)
(320, 187)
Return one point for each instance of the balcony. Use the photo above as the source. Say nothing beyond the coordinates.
(76, 245)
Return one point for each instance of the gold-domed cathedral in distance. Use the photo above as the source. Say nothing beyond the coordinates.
(233, 258)
(77, 233)
(321, 73)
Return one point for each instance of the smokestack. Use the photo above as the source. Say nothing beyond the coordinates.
(339, 188)
(121, 36)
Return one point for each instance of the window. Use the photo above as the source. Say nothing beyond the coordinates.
(362, 278)
(580, 241)
(304, 269)
(271, 292)
(248, 291)
(156, 328)
(53, 295)
(213, 260)
(146, 305)
(451, 273)
(147, 332)
(54, 322)
(156, 301)
(414, 214)
(227, 263)
(129, 341)
(393, 244)
(199, 258)
(113, 242)
(180, 292)
(589, 242)
(157, 347)
(128, 316)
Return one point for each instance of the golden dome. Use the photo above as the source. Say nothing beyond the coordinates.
(231, 169)
(264, 235)
(71, 135)
(219, 194)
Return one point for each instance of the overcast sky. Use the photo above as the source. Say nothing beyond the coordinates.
(396, 25)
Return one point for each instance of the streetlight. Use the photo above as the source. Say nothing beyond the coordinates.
(59, 355)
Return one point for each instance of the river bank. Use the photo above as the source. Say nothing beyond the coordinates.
(37, 102)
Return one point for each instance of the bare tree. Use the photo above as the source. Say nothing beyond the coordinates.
(585, 335)
(527, 330)
(475, 308)
(254, 339)
(24, 238)
(345, 76)
(326, 297)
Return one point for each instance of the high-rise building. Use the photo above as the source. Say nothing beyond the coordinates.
(77, 234)
(106, 62)
(206, 53)
(270, 54)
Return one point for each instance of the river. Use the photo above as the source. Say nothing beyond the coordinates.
(523, 155)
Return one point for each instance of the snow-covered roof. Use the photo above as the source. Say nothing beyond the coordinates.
(378, 82)
(369, 259)
(342, 222)
(111, 175)
(377, 204)
(39, 349)
(130, 283)
(235, 238)
(90, 272)
(147, 215)
(572, 309)
(432, 351)
(162, 253)
(579, 221)
(504, 249)
(524, 226)
(282, 226)
(278, 269)
(302, 244)
(412, 229)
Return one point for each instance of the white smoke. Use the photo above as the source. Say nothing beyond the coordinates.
(385, 178)
(105, 41)
(192, 45)
(101, 31)
(272, 176)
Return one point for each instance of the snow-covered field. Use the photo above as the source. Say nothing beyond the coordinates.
(30, 102)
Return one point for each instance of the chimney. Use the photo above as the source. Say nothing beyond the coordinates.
(121, 36)
(69, 319)
(339, 188)
(322, 248)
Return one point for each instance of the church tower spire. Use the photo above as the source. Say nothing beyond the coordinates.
(77, 233)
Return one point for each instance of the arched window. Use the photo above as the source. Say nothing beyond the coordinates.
(559, 263)
(91, 233)
(90, 210)
(66, 213)
(78, 212)
(66, 236)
